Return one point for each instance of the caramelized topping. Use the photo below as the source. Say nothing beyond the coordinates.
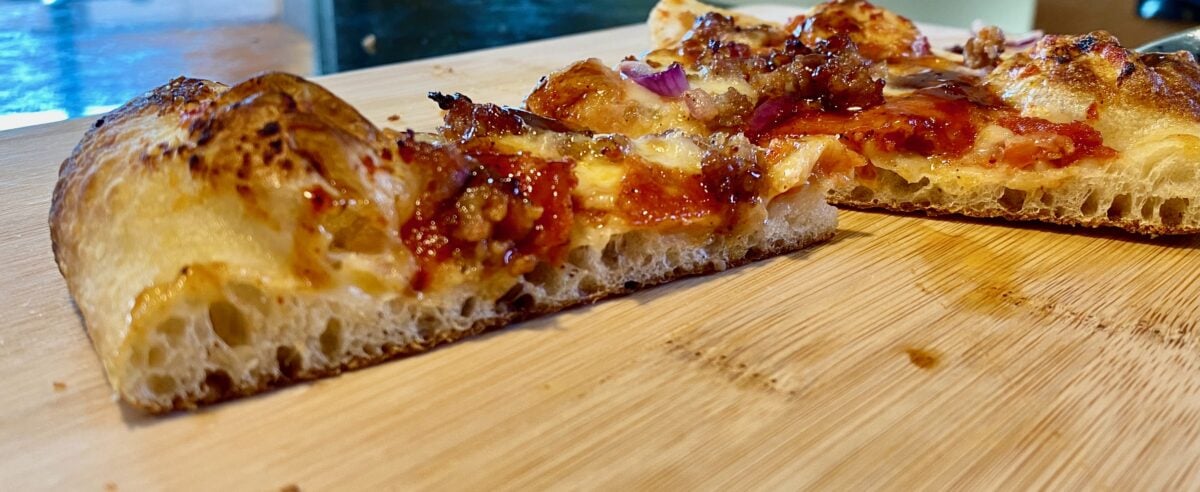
(652, 195)
(504, 211)
(465, 120)
(984, 48)
(784, 73)
(589, 96)
(731, 176)
(936, 123)
(1059, 144)
(727, 110)
(844, 80)
(880, 34)
(715, 37)
(830, 71)
(949, 84)
(920, 123)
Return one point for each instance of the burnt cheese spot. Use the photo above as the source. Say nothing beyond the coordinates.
(1127, 70)
(269, 129)
(1086, 43)
(243, 171)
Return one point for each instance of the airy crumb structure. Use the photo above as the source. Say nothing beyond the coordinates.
(245, 339)
(1089, 197)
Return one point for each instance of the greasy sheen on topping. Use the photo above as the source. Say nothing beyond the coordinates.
(824, 73)
(1058, 109)
(502, 186)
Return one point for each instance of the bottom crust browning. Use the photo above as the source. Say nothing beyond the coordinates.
(998, 212)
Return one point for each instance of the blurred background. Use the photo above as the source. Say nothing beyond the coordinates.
(61, 59)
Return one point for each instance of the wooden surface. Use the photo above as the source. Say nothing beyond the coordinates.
(906, 353)
(1119, 17)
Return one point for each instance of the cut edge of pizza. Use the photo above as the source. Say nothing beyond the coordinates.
(223, 240)
(1073, 130)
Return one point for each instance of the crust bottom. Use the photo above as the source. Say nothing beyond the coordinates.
(1001, 213)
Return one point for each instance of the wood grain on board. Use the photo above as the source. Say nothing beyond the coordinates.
(905, 353)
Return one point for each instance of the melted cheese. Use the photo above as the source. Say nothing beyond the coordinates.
(644, 97)
(794, 168)
(599, 183)
(545, 145)
(719, 85)
(672, 151)
(599, 180)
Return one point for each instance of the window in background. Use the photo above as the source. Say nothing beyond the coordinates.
(361, 33)
(1010, 15)
(61, 59)
(66, 58)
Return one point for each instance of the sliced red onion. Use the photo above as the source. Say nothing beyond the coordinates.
(670, 82)
(768, 113)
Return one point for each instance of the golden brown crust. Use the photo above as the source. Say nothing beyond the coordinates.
(1097, 65)
(253, 146)
(880, 34)
(89, 168)
(195, 172)
(225, 139)
(175, 97)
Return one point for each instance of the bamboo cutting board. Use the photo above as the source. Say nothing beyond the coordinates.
(905, 353)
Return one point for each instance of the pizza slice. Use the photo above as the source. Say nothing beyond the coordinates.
(220, 241)
(1072, 130)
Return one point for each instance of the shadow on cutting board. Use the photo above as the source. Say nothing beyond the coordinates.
(1185, 241)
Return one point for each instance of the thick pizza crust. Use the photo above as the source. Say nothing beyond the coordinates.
(193, 250)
